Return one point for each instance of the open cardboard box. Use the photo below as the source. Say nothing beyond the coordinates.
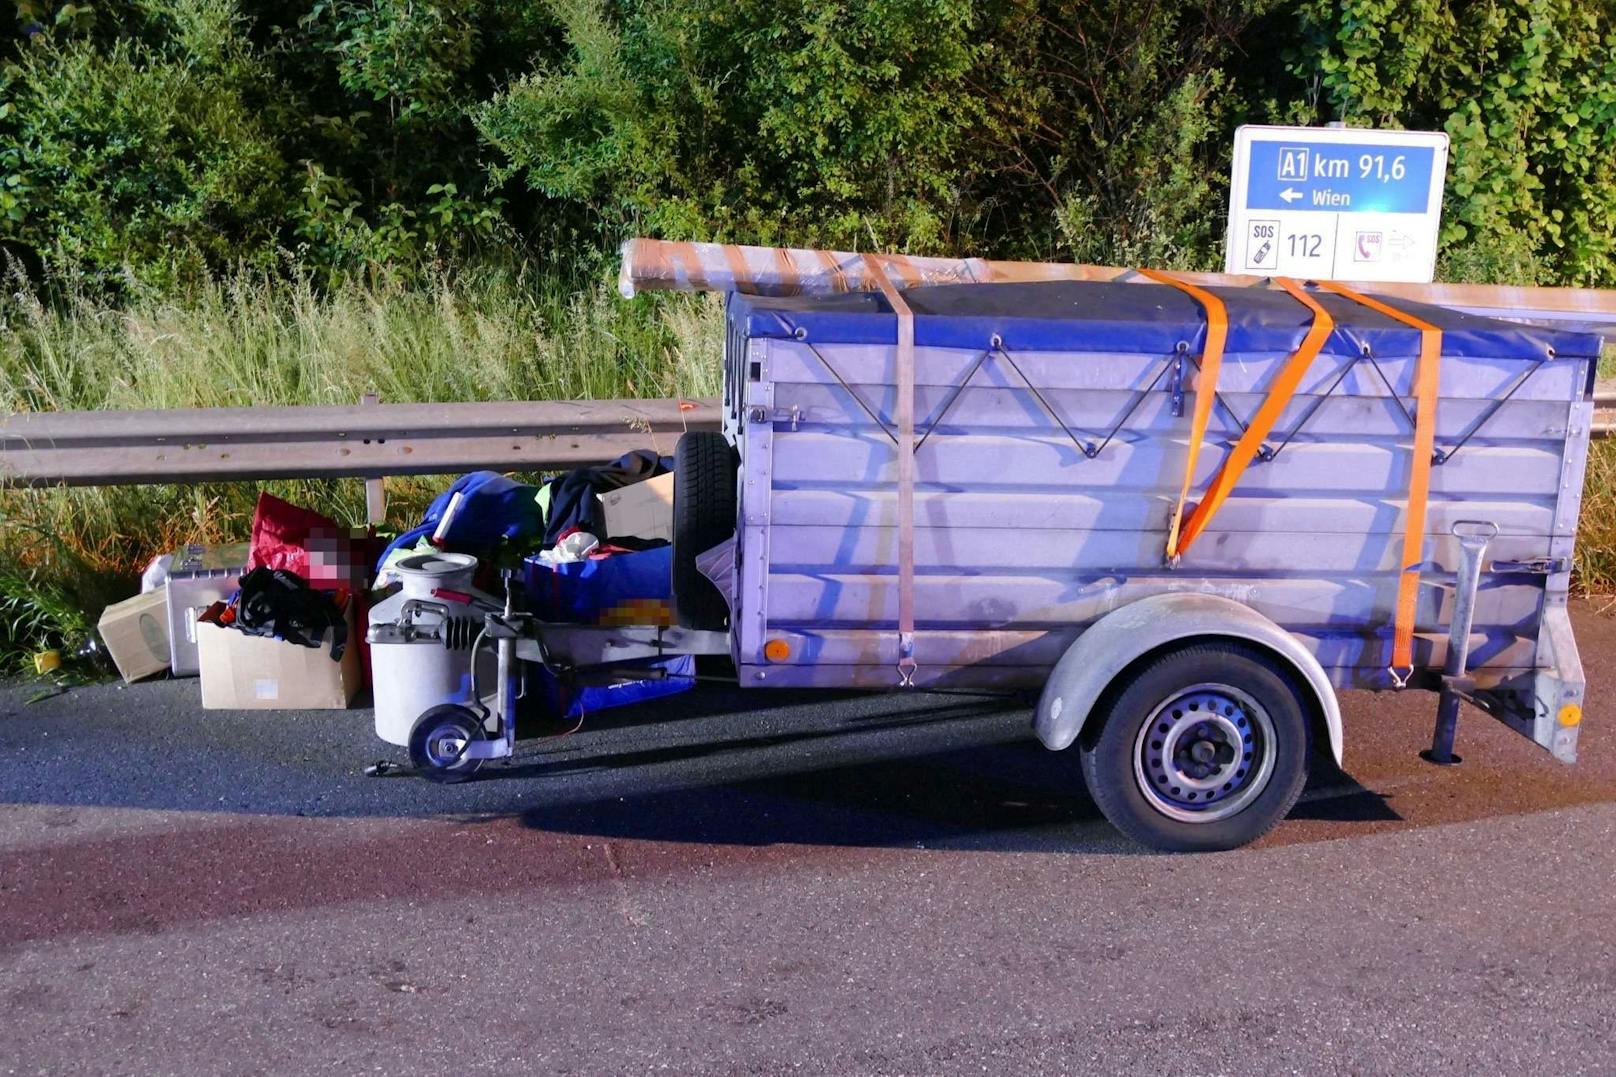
(242, 672)
(640, 510)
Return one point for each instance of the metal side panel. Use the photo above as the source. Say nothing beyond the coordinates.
(757, 477)
(1469, 377)
(1049, 461)
(1353, 659)
(1009, 550)
(995, 404)
(1046, 482)
(1041, 600)
(1557, 687)
(1082, 510)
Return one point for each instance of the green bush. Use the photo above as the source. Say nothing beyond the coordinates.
(1526, 90)
(123, 159)
(839, 123)
(159, 140)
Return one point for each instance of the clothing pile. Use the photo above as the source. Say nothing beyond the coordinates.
(587, 552)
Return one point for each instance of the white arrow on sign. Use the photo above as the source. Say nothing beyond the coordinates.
(1290, 195)
(1400, 241)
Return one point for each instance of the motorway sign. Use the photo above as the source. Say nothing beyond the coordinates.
(1338, 203)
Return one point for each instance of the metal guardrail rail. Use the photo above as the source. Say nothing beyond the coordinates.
(368, 440)
(1604, 425)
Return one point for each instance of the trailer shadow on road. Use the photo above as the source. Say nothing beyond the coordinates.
(716, 766)
(1011, 797)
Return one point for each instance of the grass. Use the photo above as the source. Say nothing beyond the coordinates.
(490, 333)
(486, 334)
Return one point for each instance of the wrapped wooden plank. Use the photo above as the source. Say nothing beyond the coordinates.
(662, 265)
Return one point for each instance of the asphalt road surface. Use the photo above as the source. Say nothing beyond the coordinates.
(760, 883)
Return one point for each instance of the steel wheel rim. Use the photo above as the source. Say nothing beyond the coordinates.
(1205, 754)
(446, 745)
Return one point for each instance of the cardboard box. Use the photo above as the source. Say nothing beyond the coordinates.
(242, 672)
(643, 510)
(135, 632)
(198, 576)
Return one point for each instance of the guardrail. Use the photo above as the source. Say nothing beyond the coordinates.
(1604, 424)
(368, 440)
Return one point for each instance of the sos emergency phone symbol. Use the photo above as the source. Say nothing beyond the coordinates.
(1262, 245)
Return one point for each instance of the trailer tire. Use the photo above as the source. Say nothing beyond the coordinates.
(1203, 748)
(704, 513)
(432, 741)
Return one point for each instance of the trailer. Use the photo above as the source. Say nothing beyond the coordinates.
(1187, 515)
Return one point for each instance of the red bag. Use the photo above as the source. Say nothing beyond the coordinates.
(313, 546)
(308, 543)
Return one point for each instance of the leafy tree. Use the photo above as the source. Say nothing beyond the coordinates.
(152, 140)
(840, 123)
(130, 157)
(1526, 90)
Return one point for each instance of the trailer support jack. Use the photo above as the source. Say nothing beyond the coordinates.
(1473, 536)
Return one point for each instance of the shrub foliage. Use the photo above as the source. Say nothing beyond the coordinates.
(145, 141)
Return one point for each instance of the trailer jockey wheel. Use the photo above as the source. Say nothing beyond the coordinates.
(1204, 748)
(704, 514)
(438, 742)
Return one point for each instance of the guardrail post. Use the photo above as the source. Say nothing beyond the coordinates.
(375, 489)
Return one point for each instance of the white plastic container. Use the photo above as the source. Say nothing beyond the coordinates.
(414, 670)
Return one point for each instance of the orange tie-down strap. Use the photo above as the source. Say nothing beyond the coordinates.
(1206, 389)
(1426, 379)
(1284, 387)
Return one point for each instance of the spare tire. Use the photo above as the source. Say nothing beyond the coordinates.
(704, 514)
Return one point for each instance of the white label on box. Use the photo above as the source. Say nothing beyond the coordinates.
(267, 688)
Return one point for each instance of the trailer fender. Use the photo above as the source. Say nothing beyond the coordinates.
(1113, 642)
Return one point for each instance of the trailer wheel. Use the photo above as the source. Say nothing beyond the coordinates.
(1204, 748)
(438, 742)
(704, 512)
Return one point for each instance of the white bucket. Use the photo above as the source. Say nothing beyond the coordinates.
(409, 678)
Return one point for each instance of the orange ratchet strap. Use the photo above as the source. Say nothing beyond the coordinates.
(1206, 386)
(1290, 376)
(905, 357)
(1419, 476)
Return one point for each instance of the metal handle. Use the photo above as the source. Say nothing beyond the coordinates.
(1468, 531)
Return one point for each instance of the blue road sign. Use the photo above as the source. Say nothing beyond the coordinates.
(1340, 177)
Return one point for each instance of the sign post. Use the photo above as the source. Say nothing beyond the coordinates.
(1336, 203)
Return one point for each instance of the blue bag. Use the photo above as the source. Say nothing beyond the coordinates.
(624, 589)
(493, 509)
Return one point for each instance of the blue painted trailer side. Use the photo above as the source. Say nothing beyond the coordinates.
(1048, 465)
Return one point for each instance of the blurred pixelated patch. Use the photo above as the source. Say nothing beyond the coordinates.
(638, 611)
(338, 555)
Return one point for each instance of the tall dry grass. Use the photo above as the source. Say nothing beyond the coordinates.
(490, 333)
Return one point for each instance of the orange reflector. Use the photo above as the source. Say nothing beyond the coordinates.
(777, 650)
(1570, 714)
